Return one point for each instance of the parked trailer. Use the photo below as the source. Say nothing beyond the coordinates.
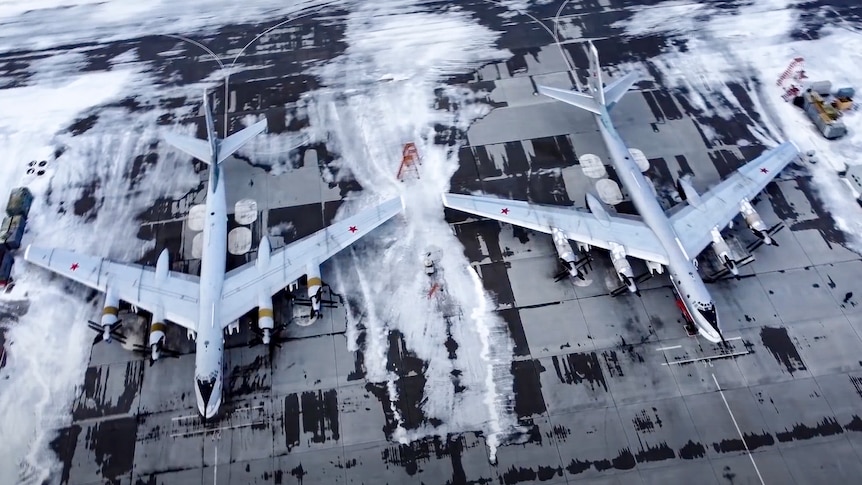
(6, 261)
(823, 115)
(12, 232)
(19, 203)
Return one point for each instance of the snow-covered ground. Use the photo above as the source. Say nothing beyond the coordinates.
(379, 95)
(50, 345)
(751, 45)
(368, 128)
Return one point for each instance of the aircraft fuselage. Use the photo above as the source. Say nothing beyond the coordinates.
(686, 280)
(209, 340)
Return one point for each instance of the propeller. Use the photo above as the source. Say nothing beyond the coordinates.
(106, 332)
(159, 350)
(273, 335)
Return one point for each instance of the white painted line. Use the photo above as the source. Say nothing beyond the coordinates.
(215, 466)
(204, 430)
(712, 357)
(668, 348)
(190, 416)
(738, 431)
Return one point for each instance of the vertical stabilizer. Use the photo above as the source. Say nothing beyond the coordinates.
(599, 97)
(212, 136)
(597, 88)
(213, 150)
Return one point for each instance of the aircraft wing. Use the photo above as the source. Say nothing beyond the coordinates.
(584, 227)
(177, 295)
(720, 205)
(286, 265)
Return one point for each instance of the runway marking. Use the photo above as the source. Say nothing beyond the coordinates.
(711, 357)
(668, 348)
(215, 466)
(220, 428)
(195, 416)
(738, 431)
(197, 429)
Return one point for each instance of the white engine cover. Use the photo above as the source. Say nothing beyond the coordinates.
(314, 285)
(564, 250)
(111, 309)
(752, 218)
(622, 266)
(264, 311)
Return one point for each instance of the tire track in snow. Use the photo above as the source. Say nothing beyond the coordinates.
(367, 122)
(751, 45)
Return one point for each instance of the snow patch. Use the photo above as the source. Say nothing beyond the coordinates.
(752, 46)
(96, 180)
(368, 128)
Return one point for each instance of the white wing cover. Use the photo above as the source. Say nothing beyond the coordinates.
(720, 205)
(584, 227)
(288, 264)
(176, 295)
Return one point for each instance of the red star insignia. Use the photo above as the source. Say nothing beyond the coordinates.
(74, 266)
(505, 210)
(353, 229)
(764, 170)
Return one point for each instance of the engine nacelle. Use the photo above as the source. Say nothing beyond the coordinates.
(110, 311)
(315, 289)
(263, 254)
(162, 266)
(623, 267)
(157, 334)
(565, 253)
(722, 251)
(754, 221)
(265, 321)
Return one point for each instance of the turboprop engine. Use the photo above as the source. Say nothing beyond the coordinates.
(623, 267)
(265, 315)
(722, 251)
(157, 326)
(109, 323)
(157, 335)
(754, 221)
(565, 253)
(315, 289)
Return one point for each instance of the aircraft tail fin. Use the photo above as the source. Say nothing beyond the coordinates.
(195, 147)
(213, 150)
(234, 142)
(600, 95)
(620, 86)
(582, 101)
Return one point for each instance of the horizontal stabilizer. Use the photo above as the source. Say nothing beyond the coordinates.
(582, 101)
(195, 147)
(615, 90)
(234, 142)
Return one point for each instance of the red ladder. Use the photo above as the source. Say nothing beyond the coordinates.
(409, 162)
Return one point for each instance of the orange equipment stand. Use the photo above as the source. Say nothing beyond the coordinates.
(409, 162)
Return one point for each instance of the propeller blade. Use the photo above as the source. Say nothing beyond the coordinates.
(169, 352)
